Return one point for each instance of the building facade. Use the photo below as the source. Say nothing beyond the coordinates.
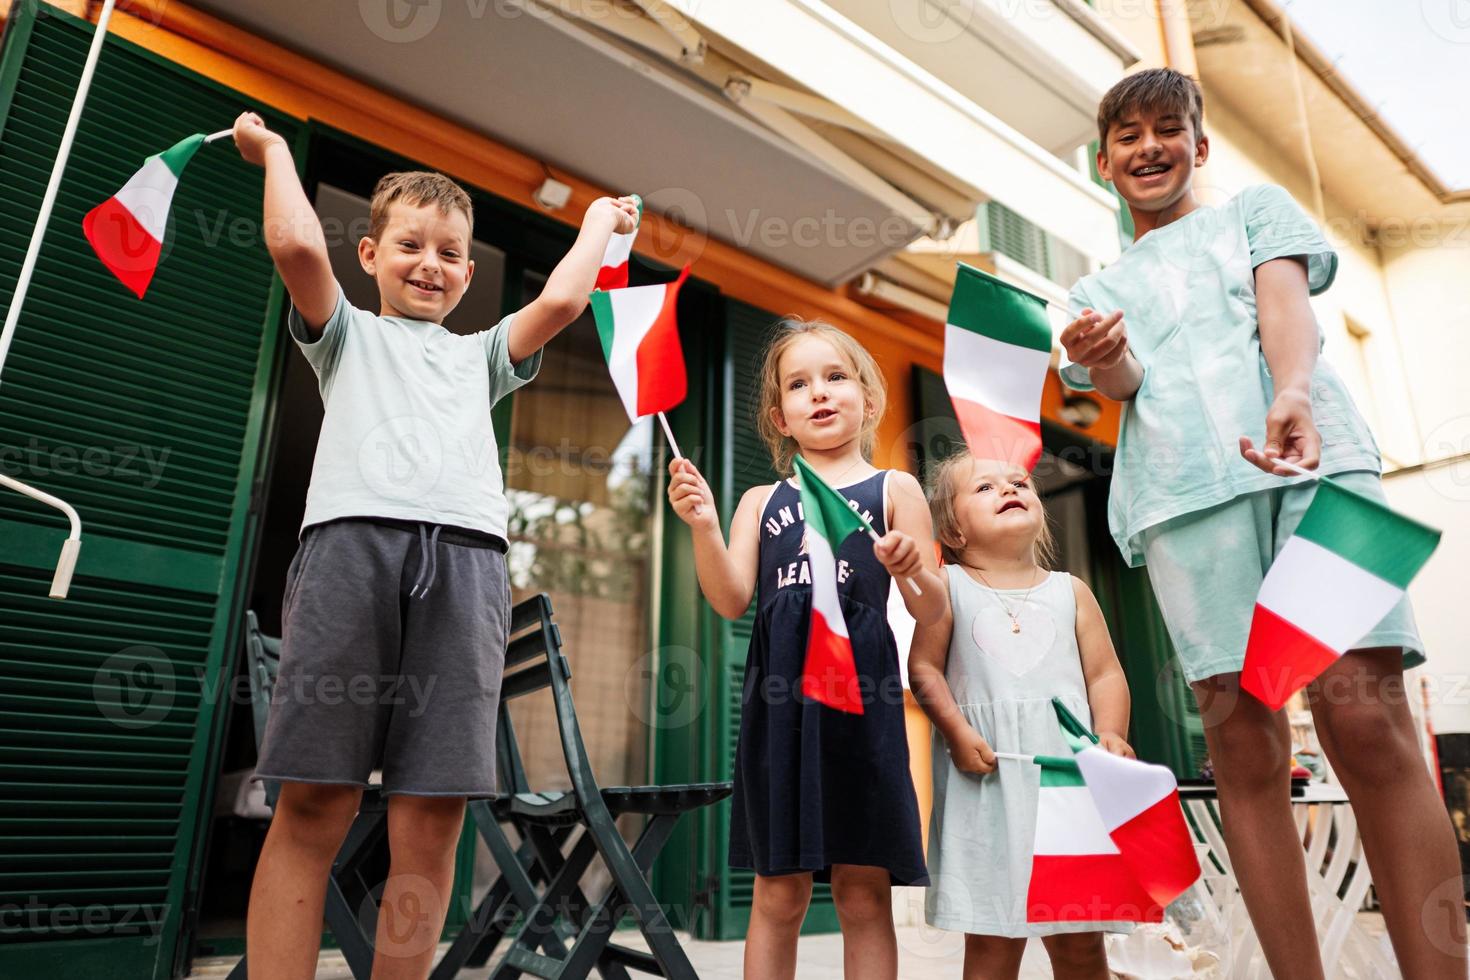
(827, 160)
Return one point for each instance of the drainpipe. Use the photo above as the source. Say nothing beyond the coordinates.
(1178, 36)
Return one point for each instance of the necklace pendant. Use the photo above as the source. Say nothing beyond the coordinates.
(1015, 626)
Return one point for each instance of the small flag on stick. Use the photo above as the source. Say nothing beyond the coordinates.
(639, 330)
(997, 348)
(1111, 841)
(1346, 566)
(127, 229)
(613, 273)
(829, 674)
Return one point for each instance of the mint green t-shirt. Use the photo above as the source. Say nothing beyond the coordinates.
(1188, 296)
(407, 431)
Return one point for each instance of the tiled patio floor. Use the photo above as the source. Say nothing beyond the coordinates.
(924, 954)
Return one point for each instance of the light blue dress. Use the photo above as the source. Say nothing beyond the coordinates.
(982, 828)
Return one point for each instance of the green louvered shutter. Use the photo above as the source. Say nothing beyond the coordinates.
(147, 417)
(745, 462)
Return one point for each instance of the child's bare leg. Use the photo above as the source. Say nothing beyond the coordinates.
(1362, 714)
(423, 832)
(283, 928)
(864, 900)
(776, 913)
(1250, 746)
(1077, 956)
(993, 957)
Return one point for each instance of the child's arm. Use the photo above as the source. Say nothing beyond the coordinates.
(726, 575)
(564, 296)
(1100, 344)
(1289, 340)
(907, 550)
(293, 234)
(927, 658)
(1107, 687)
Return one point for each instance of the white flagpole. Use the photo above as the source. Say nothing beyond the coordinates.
(66, 564)
(674, 445)
(48, 201)
(1298, 470)
(1015, 756)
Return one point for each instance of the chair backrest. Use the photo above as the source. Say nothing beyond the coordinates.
(263, 664)
(534, 662)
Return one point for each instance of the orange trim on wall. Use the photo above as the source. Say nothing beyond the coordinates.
(294, 84)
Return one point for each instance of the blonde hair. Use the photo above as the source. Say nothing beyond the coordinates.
(865, 369)
(417, 187)
(940, 490)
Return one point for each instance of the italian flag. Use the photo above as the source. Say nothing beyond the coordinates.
(127, 229)
(1334, 580)
(613, 273)
(639, 330)
(829, 674)
(1111, 841)
(997, 348)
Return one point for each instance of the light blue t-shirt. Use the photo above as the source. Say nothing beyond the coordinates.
(1188, 296)
(407, 433)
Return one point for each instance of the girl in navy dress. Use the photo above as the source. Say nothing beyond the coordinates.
(820, 794)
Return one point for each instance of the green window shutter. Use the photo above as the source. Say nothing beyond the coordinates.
(744, 463)
(147, 416)
(1125, 217)
(1003, 230)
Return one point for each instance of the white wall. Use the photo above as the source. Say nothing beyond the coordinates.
(1439, 496)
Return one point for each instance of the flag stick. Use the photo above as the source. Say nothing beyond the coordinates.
(1015, 756)
(1298, 470)
(219, 135)
(674, 445)
(669, 435)
(48, 200)
(66, 564)
(907, 578)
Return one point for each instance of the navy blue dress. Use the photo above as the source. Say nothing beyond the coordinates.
(814, 786)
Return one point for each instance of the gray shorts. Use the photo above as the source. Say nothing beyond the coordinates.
(392, 650)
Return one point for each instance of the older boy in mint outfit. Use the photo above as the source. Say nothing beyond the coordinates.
(398, 595)
(1219, 350)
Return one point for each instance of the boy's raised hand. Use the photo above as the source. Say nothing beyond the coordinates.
(1291, 434)
(971, 753)
(623, 212)
(252, 138)
(899, 553)
(690, 496)
(1096, 341)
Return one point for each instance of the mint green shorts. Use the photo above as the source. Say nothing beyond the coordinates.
(1206, 569)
